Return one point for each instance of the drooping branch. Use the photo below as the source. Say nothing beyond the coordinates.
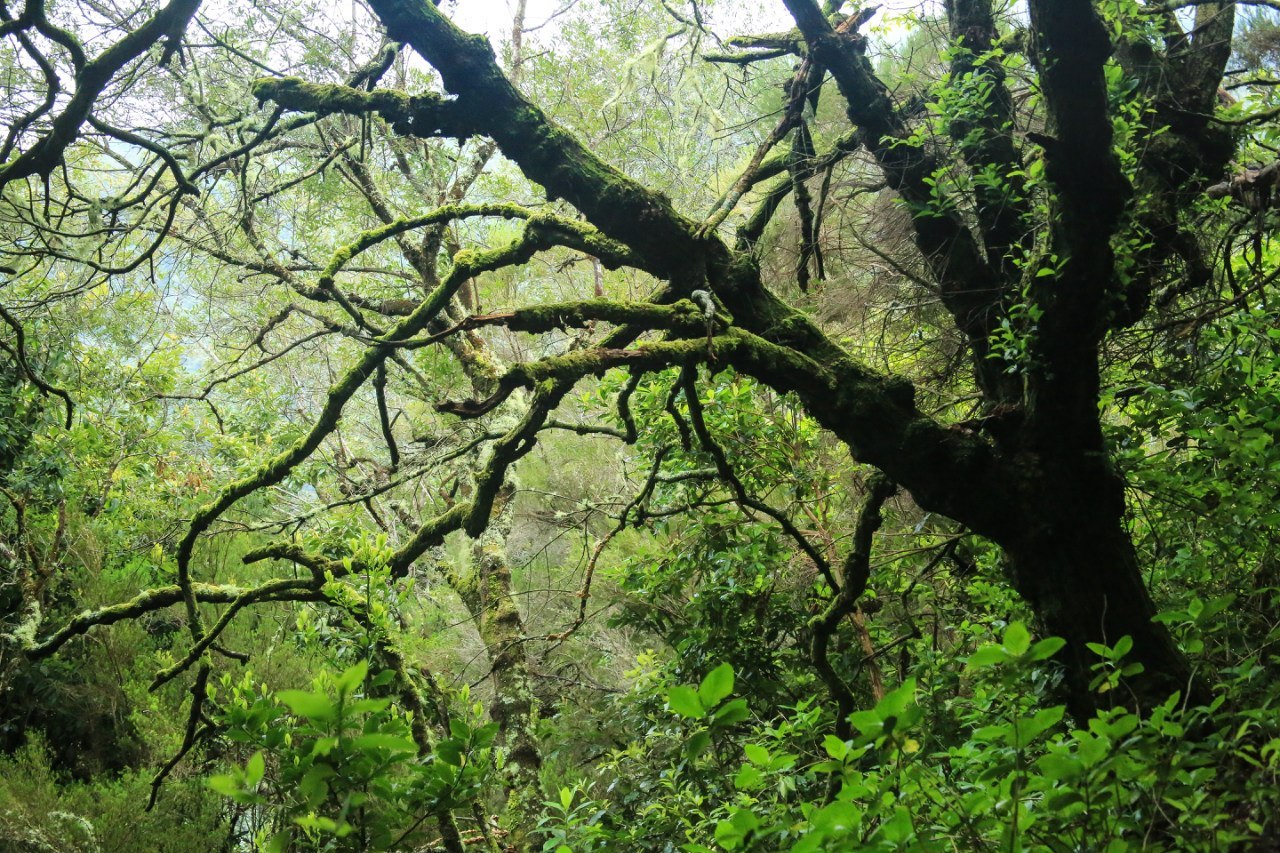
(802, 84)
(18, 352)
(809, 247)
(745, 499)
(199, 693)
(584, 593)
(797, 168)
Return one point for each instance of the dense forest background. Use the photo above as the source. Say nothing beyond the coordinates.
(653, 425)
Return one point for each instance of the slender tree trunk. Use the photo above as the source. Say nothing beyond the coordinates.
(487, 593)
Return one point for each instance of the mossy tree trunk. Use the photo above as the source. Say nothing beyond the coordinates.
(487, 590)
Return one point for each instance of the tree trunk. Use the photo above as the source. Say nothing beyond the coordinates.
(487, 593)
(1075, 565)
(1071, 557)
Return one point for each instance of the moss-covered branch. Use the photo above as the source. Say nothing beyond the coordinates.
(412, 115)
(619, 206)
(158, 598)
(271, 590)
(682, 317)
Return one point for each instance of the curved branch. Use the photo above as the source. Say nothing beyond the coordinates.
(727, 474)
(19, 354)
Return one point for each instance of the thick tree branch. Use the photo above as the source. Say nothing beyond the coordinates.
(617, 205)
(152, 600)
(424, 115)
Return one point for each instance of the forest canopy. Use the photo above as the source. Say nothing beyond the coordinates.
(685, 425)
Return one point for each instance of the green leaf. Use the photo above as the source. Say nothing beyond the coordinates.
(395, 743)
(312, 787)
(226, 785)
(716, 686)
(731, 713)
(367, 706)
(450, 752)
(684, 700)
(838, 818)
(1047, 648)
(278, 843)
(1045, 718)
(986, 656)
(1017, 639)
(323, 746)
(835, 747)
(313, 706)
(1060, 800)
(897, 829)
(1059, 768)
(697, 744)
(867, 722)
(897, 700)
(254, 770)
(351, 678)
(1093, 749)
(732, 831)
(756, 754)
(748, 779)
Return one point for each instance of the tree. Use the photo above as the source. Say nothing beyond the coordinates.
(1038, 456)
(1051, 175)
